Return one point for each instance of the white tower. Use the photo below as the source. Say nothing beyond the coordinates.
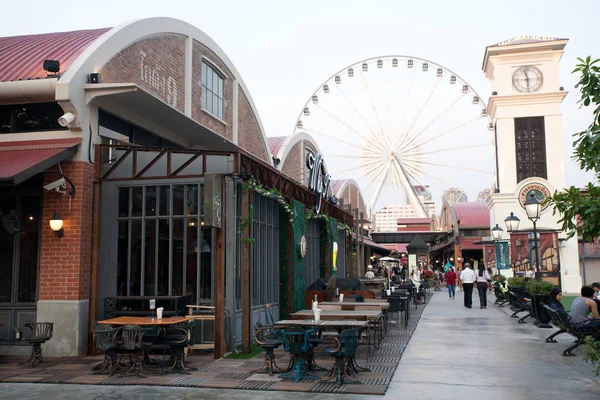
(525, 107)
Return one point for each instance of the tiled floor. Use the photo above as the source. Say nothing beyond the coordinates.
(229, 374)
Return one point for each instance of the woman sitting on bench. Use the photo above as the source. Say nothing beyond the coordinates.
(555, 300)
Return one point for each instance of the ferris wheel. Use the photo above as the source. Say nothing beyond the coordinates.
(397, 124)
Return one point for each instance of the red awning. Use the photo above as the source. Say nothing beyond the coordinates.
(20, 160)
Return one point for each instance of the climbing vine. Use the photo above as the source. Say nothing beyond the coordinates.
(344, 227)
(251, 184)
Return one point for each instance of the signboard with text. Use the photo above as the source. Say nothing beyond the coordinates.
(502, 259)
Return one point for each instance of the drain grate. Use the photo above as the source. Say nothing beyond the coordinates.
(326, 387)
(186, 381)
(256, 385)
(234, 375)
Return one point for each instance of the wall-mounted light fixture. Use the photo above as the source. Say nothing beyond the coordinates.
(56, 224)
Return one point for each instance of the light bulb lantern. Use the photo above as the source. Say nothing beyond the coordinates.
(497, 233)
(56, 224)
(533, 208)
(512, 222)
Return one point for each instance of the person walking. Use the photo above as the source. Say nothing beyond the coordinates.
(483, 280)
(468, 278)
(451, 283)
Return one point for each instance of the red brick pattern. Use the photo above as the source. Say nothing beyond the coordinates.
(65, 263)
(291, 165)
(156, 64)
(249, 135)
(225, 127)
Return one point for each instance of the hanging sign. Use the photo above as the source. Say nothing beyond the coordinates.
(538, 190)
(502, 259)
(318, 178)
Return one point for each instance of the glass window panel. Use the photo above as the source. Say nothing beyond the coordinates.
(209, 100)
(159, 168)
(30, 239)
(137, 196)
(37, 117)
(202, 199)
(5, 117)
(191, 260)
(191, 199)
(204, 96)
(178, 208)
(178, 257)
(143, 159)
(215, 84)
(164, 201)
(150, 200)
(150, 252)
(122, 258)
(177, 160)
(7, 244)
(124, 170)
(219, 164)
(203, 74)
(163, 257)
(124, 202)
(205, 254)
(136, 258)
(220, 89)
(144, 138)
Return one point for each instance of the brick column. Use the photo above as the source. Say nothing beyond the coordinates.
(65, 263)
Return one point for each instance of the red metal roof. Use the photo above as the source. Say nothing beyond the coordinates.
(468, 244)
(19, 161)
(275, 143)
(22, 57)
(472, 214)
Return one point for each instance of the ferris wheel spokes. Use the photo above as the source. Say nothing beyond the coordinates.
(408, 188)
(384, 138)
(470, 146)
(444, 133)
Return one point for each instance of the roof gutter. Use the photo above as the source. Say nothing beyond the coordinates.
(28, 91)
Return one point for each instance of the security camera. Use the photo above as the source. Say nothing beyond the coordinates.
(66, 119)
(55, 185)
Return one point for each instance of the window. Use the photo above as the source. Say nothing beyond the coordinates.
(530, 144)
(212, 91)
(114, 128)
(30, 117)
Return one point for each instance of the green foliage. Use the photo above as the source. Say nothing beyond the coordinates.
(254, 350)
(502, 278)
(516, 281)
(592, 353)
(344, 227)
(539, 287)
(580, 210)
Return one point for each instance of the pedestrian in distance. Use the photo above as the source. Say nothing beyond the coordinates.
(468, 278)
(483, 280)
(451, 282)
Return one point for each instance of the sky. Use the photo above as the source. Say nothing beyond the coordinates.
(285, 49)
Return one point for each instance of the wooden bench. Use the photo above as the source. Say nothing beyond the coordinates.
(562, 321)
(519, 304)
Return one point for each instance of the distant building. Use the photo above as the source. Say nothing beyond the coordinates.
(386, 219)
(454, 195)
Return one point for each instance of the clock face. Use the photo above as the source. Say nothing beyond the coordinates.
(527, 79)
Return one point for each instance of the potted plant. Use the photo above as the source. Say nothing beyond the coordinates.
(515, 281)
(499, 276)
(540, 295)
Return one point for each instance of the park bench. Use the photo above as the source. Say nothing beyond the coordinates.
(519, 304)
(562, 321)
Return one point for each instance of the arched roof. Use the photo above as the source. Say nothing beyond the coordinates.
(338, 187)
(275, 144)
(471, 214)
(22, 57)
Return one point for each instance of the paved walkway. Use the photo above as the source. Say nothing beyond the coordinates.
(455, 353)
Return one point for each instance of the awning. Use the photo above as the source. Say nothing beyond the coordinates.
(441, 246)
(20, 160)
(368, 242)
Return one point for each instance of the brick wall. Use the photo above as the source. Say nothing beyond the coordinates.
(65, 263)
(249, 136)
(291, 164)
(156, 64)
(225, 127)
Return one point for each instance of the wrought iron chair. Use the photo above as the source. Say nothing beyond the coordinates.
(104, 337)
(295, 341)
(344, 354)
(131, 337)
(41, 332)
(177, 338)
(269, 341)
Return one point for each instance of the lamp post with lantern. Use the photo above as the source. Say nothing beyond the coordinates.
(497, 236)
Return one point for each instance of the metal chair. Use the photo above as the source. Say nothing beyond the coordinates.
(295, 341)
(41, 332)
(104, 337)
(177, 339)
(131, 337)
(269, 341)
(344, 354)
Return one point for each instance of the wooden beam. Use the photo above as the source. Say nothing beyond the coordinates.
(95, 267)
(246, 312)
(220, 286)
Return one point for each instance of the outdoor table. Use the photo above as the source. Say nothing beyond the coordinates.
(327, 315)
(125, 320)
(355, 306)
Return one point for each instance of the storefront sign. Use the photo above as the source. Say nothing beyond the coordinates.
(540, 191)
(159, 80)
(318, 178)
(502, 260)
(212, 200)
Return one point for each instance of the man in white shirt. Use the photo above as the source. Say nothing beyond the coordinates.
(369, 274)
(468, 278)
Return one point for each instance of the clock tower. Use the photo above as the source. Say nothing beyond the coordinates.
(525, 109)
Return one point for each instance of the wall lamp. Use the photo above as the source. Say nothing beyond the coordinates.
(56, 224)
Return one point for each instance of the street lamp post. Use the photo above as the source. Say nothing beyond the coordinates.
(533, 208)
(497, 235)
(512, 225)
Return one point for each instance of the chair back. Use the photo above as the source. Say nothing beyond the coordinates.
(104, 337)
(348, 341)
(394, 304)
(41, 330)
(131, 336)
(295, 340)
